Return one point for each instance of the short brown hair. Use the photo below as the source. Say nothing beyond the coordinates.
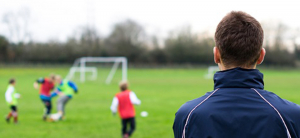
(239, 38)
(12, 81)
(123, 85)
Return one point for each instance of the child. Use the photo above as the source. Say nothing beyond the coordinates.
(65, 89)
(11, 98)
(124, 101)
(46, 85)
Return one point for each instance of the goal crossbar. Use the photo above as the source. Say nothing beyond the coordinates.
(80, 66)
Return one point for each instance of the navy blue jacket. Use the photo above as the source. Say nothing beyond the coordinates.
(239, 107)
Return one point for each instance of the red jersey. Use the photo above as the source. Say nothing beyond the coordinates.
(125, 108)
(46, 87)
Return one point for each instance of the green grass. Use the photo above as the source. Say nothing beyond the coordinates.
(162, 92)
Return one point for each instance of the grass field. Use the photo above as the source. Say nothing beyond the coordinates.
(162, 92)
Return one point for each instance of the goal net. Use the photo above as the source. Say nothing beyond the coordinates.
(80, 66)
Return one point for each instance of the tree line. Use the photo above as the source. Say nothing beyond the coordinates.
(129, 39)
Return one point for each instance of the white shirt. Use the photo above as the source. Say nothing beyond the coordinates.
(133, 98)
(9, 94)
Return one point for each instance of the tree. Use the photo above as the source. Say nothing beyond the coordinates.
(277, 53)
(4, 44)
(297, 52)
(88, 42)
(127, 39)
(17, 23)
(185, 47)
(296, 42)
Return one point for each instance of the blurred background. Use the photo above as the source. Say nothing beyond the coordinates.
(168, 45)
(148, 33)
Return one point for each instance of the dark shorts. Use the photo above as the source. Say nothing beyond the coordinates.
(125, 122)
(45, 98)
(46, 102)
(13, 108)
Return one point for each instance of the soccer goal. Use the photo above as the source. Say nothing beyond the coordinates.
(211, 71)
(80, 66)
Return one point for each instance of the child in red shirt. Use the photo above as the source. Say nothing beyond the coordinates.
(124, 101)
(46, 86)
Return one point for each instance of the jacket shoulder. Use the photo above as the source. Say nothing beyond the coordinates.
(182, 114)
(289, 111)
(188, 106)
(282, 104)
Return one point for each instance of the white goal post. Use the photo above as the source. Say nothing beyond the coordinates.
(211, 71)
(80, 66)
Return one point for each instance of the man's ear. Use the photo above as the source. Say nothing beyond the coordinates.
(217, 56)
(261, 56)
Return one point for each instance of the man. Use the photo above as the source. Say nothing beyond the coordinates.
(65, 90)
(238, 107)
(124, 101)
(46, 86)
(11, 98)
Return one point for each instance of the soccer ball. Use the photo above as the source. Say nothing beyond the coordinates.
(144, 113)
(55, 117)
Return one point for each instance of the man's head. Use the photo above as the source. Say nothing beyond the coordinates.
(123, 85)
(239, 39)
(12, 81)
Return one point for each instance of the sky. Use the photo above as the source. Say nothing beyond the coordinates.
(59, 19)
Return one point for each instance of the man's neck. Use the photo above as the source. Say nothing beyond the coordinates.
(222, 67)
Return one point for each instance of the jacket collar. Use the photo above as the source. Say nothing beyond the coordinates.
(239, 78)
